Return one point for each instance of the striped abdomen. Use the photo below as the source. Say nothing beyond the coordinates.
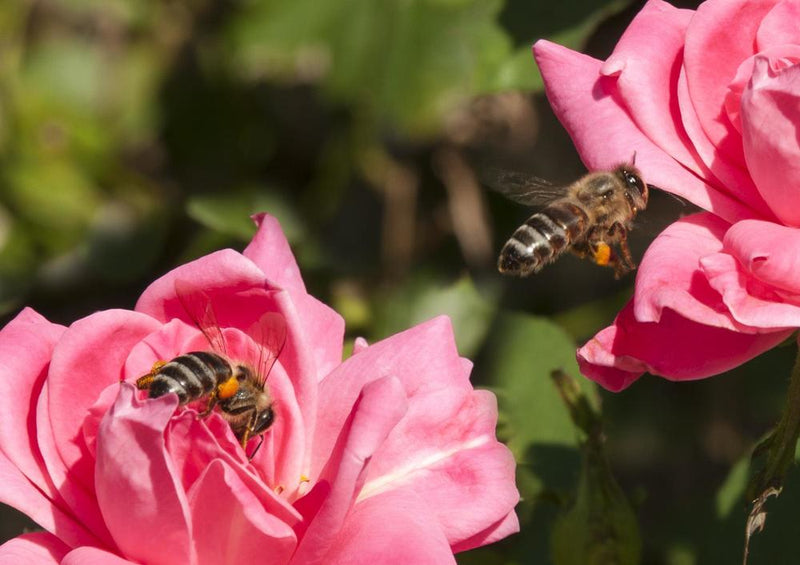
(542, 238)
(190, 376)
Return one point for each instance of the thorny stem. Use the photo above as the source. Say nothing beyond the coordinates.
(778, 448)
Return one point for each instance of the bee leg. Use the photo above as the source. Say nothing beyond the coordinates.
(248, 431)
(212, 401)
(620, 233)
(223, 391)
(144, 382)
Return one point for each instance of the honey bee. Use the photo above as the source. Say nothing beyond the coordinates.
(237, 388)
(590, 218)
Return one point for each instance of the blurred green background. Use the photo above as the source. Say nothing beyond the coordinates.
(138, 134)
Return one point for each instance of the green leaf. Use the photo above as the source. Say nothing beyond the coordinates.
(55, 197)
(470, 311)
(229, 212)
(524, 351)
(406, 61)
(732, 490)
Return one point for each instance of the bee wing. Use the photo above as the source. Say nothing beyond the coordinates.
(270, 334)
(522, 188)
(197, 306)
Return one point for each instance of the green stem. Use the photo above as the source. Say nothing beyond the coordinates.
(779, 447)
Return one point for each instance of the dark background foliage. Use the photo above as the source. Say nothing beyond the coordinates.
(138, 134)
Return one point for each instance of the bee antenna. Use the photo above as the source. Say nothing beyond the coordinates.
(633, 159)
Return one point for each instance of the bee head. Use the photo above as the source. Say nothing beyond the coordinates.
(264, 419)
(635, 188)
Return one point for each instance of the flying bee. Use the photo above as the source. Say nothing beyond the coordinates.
(237, 388)
(590, 218)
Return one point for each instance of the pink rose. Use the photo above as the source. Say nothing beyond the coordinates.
(387, 457)
(710, 103)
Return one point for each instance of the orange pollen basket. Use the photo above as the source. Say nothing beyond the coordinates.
(602, 254)
(228, 388)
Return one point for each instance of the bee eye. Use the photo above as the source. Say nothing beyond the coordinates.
(634, 182)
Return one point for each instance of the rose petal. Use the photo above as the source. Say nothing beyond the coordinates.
(231, 526)
(779, 26)
(93, 556)
(770, 113)
(193, 444)
(646, 63)
(424, 358)
(26, 345)
(392, 527)
(501, 529)
(670, 275)
(37, 548)
(749, 300)
(323, 327)
(768, 251)
(722, 33)
(137, 485)
(223, 273)
(93, 350)
(90, 353)
(729, 177)
(604, 134)
(445, 451)
(378, 409)
(780, 56)
(270, 251)
(300, 389)
(18, 492)
(619, 354)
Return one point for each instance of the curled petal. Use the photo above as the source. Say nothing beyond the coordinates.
(722, 33)
(779, 56)
(270, 251)
(378, 409)
(646, 63)
(588, 106)
(323, 327)
(137, 486)
(730, 178)
(507, 525)
(770, 112)
(670, 275)
(619, 354)
(37, 548)
(749, 300)
(424, 359)
(768, 251)
(194, 444)
(231, 526)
